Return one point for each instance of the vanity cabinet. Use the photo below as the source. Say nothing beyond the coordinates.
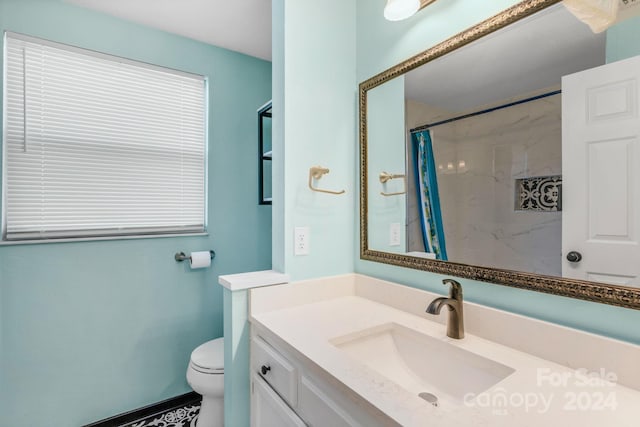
(268, 409)
(288, 391)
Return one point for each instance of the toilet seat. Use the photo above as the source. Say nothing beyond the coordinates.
(208, 358)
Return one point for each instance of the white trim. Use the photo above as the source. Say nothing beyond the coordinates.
(3, 149)
(130, 226)
(96, 54)
(92, 239)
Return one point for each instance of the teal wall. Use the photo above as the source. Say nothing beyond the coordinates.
(623, 40)
(382, 44)
(386, 123)
(314, 119)
(277, 138)
(236, 359)
(89, 330)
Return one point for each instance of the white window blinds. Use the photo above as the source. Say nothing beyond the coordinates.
(96, 145)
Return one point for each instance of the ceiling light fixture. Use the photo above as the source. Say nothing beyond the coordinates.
(397, 10)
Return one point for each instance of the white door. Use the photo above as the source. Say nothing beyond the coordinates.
(601, 173)
(268, 409)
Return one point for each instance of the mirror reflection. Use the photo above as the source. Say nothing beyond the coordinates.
(523, 161)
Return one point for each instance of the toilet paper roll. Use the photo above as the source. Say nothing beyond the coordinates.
(200, 259)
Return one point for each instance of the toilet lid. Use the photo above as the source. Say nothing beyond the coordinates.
(209, 356)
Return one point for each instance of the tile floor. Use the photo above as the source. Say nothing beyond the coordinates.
(185, 416)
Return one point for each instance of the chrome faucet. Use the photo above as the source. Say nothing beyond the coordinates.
(455, 323)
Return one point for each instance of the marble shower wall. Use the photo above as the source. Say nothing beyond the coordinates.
(478, 161)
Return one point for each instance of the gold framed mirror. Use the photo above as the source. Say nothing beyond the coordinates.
(381, 193)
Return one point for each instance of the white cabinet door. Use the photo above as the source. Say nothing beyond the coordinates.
(319, 410)
(601, 173)
(268, 409)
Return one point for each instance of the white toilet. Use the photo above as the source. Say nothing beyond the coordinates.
(205, 375)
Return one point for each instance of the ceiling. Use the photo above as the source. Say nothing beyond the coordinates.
(522, 58)
(240, 25)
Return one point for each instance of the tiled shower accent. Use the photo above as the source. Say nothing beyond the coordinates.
(542, 193)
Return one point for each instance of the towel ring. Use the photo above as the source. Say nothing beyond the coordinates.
(316, 172)
(386, 176)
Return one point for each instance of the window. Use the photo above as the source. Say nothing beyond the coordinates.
(96, 145)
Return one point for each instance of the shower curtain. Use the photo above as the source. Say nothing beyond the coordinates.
(428, 197)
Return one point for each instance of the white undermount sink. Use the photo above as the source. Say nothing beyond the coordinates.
(420, 363)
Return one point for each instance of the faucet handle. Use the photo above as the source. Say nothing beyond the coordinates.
(455, 291)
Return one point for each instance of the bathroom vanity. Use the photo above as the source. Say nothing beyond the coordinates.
(488, 171)
(288, 390)
(358, 351)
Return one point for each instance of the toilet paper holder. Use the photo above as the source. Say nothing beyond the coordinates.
(181, 256)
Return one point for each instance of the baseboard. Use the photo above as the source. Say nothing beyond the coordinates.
(147, 411)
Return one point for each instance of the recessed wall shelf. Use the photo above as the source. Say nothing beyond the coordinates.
(265, 154)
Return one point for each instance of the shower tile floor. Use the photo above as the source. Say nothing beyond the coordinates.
(184, 416)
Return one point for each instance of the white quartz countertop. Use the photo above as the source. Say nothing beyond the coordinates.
(254, 279)
(530, 400)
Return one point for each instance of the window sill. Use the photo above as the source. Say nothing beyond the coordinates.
(94, 239)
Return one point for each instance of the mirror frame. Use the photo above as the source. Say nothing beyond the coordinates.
(617, 295)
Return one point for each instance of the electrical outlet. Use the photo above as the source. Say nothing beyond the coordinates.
(301, 241)
(394, 234)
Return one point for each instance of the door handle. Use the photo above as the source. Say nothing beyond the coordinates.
(574, 256)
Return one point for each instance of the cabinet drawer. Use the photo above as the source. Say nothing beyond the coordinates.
(275, 369)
